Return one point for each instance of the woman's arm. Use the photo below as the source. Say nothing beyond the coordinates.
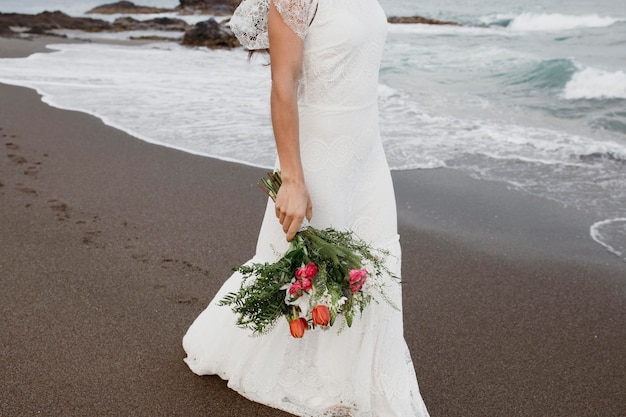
(293, 202)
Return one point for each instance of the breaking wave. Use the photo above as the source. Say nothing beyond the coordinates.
(592, 83)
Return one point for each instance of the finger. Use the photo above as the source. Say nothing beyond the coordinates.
(309, 212)
(291, 232)
(296, 225)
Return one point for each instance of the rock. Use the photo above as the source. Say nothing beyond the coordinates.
(39, 30)
(159, 23)
(420, 20)
(216, 7)
(44, 22)
(151, 38)
(5, 31)
(53, 20)
(126, 7)
(36, 30)
(211, 34)
(202, 4)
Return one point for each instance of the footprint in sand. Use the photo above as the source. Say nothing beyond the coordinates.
(185, 300)
(183, 265)
(57, 205)
(26, 190)
(141, 257)
(32, 171)
(16, 159)
(62, 209)
(177, 298)
(12, 146)
(89, 238)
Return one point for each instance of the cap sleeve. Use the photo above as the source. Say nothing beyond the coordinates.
(249, 21)
(297, 14)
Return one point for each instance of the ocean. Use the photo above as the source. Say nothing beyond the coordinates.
(532, 93)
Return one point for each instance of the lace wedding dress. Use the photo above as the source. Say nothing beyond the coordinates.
(366, 370)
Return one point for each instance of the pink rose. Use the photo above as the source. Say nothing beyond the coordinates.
(307, 284)
(311, 270)
(296, 288)
(357, 279)
(301, 273)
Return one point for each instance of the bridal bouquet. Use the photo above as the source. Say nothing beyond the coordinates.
(323, 275)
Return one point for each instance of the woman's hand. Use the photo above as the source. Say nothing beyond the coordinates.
(293, 204)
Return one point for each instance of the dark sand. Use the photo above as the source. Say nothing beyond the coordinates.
(110, 247)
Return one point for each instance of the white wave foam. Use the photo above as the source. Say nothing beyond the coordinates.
(552, 22)
(411, 28)
(592, 83)
(415, 137)
(596, 233)
(496, 18)
(192, 99)
(162, 93)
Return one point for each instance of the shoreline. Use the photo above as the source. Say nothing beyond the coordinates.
(111, 247)
(506, 221)
(22, 48)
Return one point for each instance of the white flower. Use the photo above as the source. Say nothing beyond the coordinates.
(287, 294)
(302, 302)
(326, 299)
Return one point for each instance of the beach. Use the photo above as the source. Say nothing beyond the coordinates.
(111, 246)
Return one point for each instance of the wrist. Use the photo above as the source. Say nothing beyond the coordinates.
(292, 176)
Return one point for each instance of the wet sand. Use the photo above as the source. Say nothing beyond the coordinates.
(110, 247)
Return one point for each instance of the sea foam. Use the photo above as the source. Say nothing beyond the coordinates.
(611, 234)
(211, 103)
(593, 83)
(549, 22)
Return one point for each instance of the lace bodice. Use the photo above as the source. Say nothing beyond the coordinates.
(342, 54)
(343, 44)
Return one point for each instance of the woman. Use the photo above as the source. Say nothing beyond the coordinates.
(325, 59)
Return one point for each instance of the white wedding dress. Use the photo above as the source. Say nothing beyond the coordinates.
(366, 370)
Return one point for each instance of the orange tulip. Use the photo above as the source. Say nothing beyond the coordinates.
(321, 315)
(297, 327)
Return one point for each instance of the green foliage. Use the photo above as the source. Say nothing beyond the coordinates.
(263, 296)
(261, 299)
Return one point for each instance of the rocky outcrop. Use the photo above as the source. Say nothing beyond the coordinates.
(159, 23)
(211, 34)
(216, 7)
(420, 20)
(53, 20)
(44, 22)
(126, 7)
